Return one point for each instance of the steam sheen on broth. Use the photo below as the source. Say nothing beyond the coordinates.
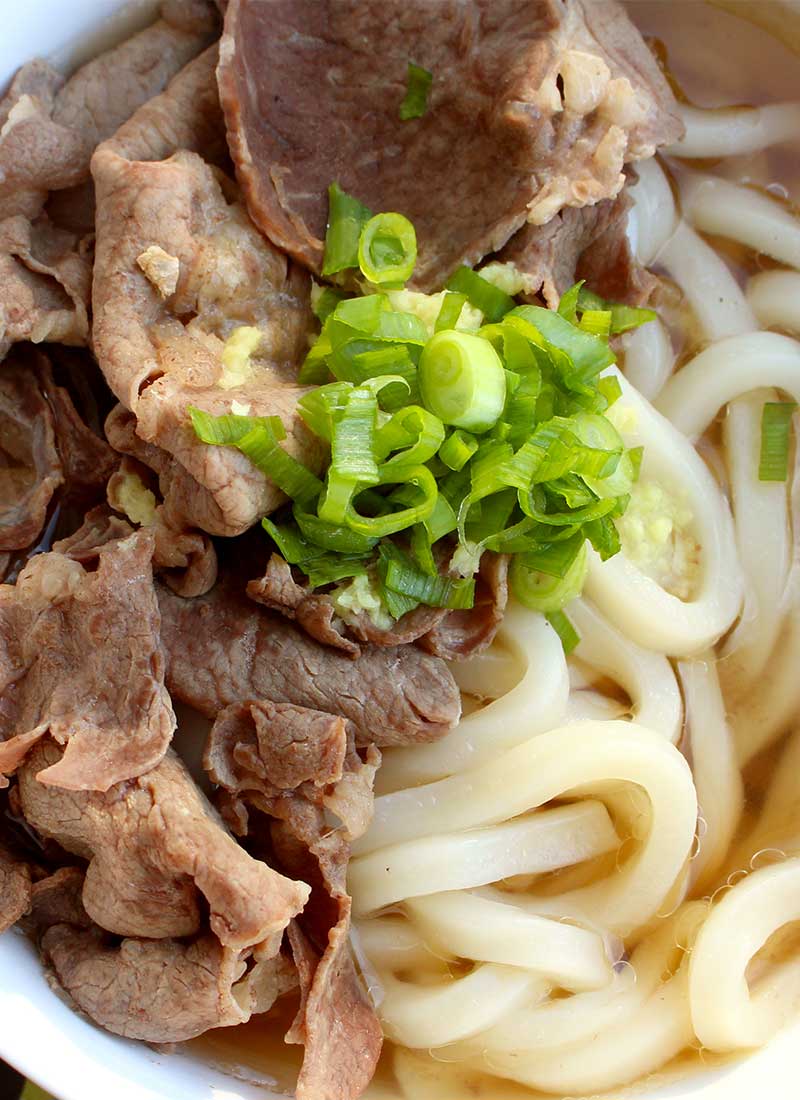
(593, 878)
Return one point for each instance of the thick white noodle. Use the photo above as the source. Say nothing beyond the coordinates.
(731, 131)
(537, 702)
(715, 767)
(573, 1045)
(586, 755)
(654, 214)
(636, 604)
(774, 297)
(477, 928)
(713, 293)
(758, 507)
(771, 706)
(725, 209)
(735, 366)
(431, 1016)
(727, 1013)
(646, 677)
(534, 844)
(649, 358)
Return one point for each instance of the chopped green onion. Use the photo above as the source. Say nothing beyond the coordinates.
(458, 449)
(267, 455)
(462, 380)
(392, 522)
(258, 439)
(326, 302)
(228, 429)
(565, 630)
(450, 310)
(387, 250)
(346, 218)
(568, 303)
(418, 432)
(330, 536)
(623, 318)
(588, 355)
(489, 299)
(353, 442)
(776, 426)
(415, 102)
(330, 570)
(295, 549)
(545, 591)
(404, 579)
(610, 388)
(396, 604)
(597, 322)
(318, 406)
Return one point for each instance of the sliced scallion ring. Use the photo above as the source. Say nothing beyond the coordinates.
(387, 250)
(543, 592)
(462, 380)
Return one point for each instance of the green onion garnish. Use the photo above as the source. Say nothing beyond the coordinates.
(415, 102)
(623, 318)
(479, 292)
(449, 443)
(346, 218)
(564, 629)
(776, 426)
(462, 380)
(387, 250)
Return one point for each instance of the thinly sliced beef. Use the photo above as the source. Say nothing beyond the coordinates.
(294, 765)
(50, 128)
(462, 633)
(279, 591)
(590, 243)
(155, 846)
(48, 131)
(186, 560)
(178, 267)
(448, 634)
(83, 661)
(15, 889)
(161, 991)
(30, 466)
(45, 283)
(547, 99)
(222, 649)
(156, 990)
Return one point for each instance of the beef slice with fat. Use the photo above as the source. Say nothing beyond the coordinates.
(535, 105)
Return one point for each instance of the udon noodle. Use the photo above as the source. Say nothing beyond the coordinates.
(600, 867)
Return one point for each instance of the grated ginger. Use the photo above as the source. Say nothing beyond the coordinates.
(128, 493)
(237, 368)
(656, 535)
(359, 595)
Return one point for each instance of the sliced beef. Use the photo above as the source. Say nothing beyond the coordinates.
(82, 660)
(279, 591)
(50, 128)
(590, 243)
(30, 465)
(222, 649)
(547, 99)
(462, 633)
(185, 559)
(179, 266)
(293, 765)
(160, 991)
(448, 634)
(45, 282)
(15, 888)
(155, 846)
(157, 990)
(87, 460)
(99, 527)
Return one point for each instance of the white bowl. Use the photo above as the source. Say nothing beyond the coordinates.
(39, 1034)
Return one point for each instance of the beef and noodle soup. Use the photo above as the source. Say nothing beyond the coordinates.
(399, 519)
